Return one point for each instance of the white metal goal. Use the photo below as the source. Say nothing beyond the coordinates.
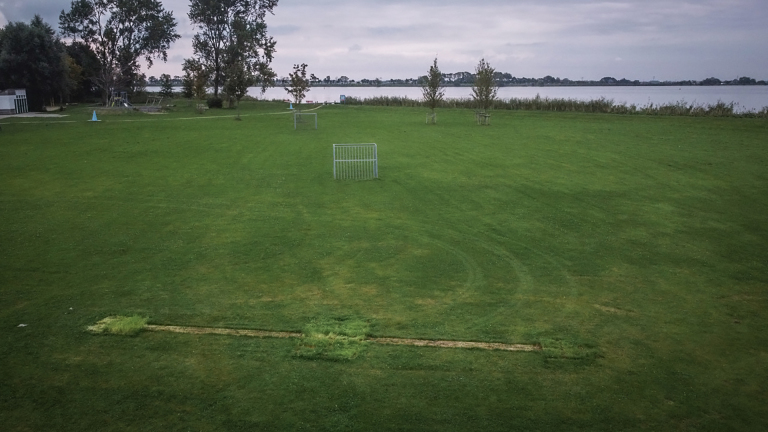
(355, 161)
(303, 119)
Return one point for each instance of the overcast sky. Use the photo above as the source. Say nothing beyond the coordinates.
(633, 39)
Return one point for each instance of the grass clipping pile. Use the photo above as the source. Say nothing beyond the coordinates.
(335, 339)
(119, 325)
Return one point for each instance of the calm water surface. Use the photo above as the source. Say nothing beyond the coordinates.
(744, 97)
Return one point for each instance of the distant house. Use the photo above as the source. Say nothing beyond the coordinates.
(13, 101)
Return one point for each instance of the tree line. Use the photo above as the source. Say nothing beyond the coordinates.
(109, 38)
(503, 79)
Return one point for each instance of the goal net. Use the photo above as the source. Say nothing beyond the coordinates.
(355, 161)
(304, 120)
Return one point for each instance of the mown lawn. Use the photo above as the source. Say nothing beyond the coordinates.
(633, 249)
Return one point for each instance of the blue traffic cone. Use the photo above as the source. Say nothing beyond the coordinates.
(291, 107)
(94, 117)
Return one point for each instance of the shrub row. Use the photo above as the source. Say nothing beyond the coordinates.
(602, 105)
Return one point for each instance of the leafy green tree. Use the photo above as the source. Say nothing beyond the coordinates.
(87, 69)
(232, 38)
(484, 89)
(74, 76)
(166, 86)
(187, 85)
(121, 32)
(239, 79)
(32, 57)
(432, 89)
(299, 84)
(138, 85)
(197, 76)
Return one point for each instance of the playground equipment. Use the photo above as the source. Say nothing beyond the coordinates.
(154, 101)
(119, 100)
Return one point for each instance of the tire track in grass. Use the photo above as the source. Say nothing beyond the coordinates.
(523, 275)
(554, 261)
(474, 272)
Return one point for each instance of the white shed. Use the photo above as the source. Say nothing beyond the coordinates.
(13, 101)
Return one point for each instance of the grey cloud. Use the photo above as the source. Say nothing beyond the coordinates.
(283, 30)
(385, 31)
(522, 45)
(25, 10)
(671, 39)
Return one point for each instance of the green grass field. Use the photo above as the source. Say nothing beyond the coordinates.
(633, 249)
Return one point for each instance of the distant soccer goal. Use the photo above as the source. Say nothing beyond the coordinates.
(304, 120)
(355, 161)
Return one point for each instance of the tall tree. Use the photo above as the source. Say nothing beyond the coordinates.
(432, 89)
(121, 32)
(84, 74)
(299, 84)
(196, 77)
(187, 84)
(484, 89)
(166, 86)
(32, 57)
(239, 78)
(232, 39)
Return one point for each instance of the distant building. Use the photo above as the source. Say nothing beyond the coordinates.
(13, 101)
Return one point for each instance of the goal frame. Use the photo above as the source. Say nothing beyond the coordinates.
(355, 161)
(296, 116)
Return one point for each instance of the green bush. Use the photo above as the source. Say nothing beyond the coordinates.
(335, 339)
(215, 102)
(602, 105)
(119, 325)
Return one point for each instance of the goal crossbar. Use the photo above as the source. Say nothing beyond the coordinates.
(355, 161)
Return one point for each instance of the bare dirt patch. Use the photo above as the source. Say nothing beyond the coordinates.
(614, 310)
(386, 341)
(456, 344)
(221, 331)
(743, 297)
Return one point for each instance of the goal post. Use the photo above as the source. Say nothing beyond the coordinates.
(300, 118)
(355, 161)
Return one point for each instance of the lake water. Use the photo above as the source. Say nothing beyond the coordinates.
(744, 97)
